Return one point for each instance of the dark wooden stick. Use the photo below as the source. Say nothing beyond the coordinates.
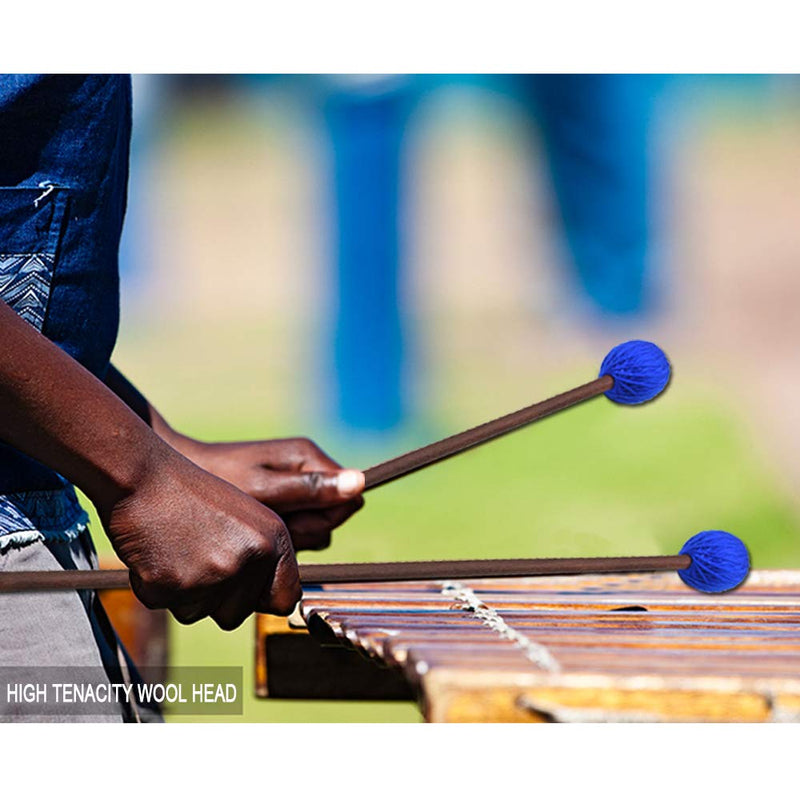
(376, 572)
(459, 442)
(69, 579)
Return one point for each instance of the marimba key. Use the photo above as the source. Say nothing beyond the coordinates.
(685, 657)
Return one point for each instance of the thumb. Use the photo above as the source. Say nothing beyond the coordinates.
(294, 491)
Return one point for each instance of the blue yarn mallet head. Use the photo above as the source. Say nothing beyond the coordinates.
(640, 371)
(720, 562)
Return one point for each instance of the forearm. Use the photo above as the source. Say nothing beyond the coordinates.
(194, 543)
(139, 404)
(293, 477)
(54, 410)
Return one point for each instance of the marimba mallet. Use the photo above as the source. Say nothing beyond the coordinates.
(711, 561)
(633, 372)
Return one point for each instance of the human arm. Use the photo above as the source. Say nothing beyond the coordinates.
(293, 477)
(194, 543)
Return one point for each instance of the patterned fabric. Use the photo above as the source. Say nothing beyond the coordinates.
(53, 515)
(25, 284)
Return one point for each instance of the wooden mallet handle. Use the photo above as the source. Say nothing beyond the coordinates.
(459, 442)
(376, 572)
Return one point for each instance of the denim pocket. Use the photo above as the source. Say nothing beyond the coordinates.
(31, 220)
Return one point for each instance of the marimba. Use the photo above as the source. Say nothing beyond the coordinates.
(636, 647)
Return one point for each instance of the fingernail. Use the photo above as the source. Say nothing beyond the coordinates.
(349, 482)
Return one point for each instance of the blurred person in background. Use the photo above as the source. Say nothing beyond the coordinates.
(598, 134)
(207, 530)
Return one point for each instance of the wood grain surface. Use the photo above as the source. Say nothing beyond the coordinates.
(640, 647)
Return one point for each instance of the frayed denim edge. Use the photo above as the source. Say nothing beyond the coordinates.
(25, 537)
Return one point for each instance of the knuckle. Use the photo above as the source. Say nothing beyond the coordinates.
(314, 482)
(161, 580)
(147, 576)
(227, 561)
(257, 483)
(266, 548)
(311, 452)
(220, 566)
(278, 534)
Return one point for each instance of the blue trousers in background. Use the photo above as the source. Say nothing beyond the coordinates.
(369, 352)
(597, 134)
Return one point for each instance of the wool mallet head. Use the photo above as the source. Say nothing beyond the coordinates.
(640, 371)
(720, 562)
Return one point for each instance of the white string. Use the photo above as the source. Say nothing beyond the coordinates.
(537, 653)
(48, 187)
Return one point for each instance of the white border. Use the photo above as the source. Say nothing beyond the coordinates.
(413, 36)
(405, 761)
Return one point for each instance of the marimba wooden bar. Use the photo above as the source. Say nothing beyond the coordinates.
(640, 647)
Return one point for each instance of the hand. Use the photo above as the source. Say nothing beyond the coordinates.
(310, 491)
(200, 547)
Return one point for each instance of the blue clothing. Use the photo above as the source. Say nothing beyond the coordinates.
(370, 357)
(598, 139)
(49, 515)
(64, 143)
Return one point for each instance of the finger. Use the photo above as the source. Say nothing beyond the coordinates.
(144, 594)
(242, 599)
(186, 606)
(154, 595)
(283, 590)
(294, 491)
(189, 613)
(311, 530)
(313, 540)
(295, 454)
(312, 458)
(329, 518)
(192, 605)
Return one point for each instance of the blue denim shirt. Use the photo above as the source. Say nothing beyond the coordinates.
(64, 142)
